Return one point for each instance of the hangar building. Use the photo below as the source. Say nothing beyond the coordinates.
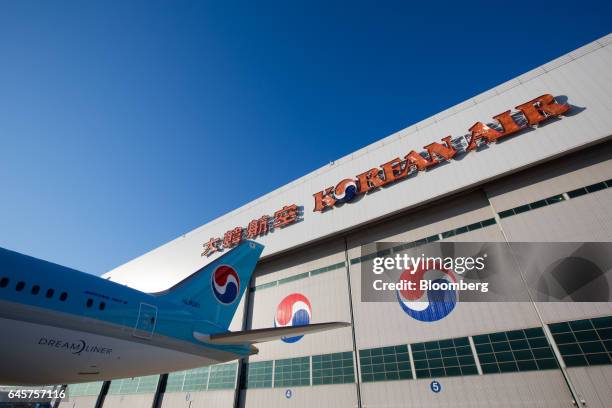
(539, 170)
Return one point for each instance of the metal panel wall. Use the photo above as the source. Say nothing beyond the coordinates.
(385, 324)
(129, 401)
(326, 291)
(537, 389)
(594, 383)
(204, 399)
(328, 296)
(379, 324)
(583, 218)
(576, 170)
(342, 395)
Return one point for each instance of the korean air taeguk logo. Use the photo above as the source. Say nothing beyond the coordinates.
(430, 305)
(225, 284)
(293, 310)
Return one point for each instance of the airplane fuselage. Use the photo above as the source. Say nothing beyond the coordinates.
(58, 325)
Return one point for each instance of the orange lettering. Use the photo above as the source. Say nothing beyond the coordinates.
(369, 180)
(540, 108)
(419, 161)
(447, 152)
(535, 111)
(393, 170)
(324, 199)
(507, 122)
(482, 131)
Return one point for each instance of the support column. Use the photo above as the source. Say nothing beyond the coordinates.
(160, 391)
(246, 317)
(350, 296)
(475, 354)
(102, 394)
(55, 403)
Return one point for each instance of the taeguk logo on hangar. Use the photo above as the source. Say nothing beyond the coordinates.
(431, 305)
(293, 310)
(225, 284)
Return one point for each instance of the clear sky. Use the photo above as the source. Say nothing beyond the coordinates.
(125, 124)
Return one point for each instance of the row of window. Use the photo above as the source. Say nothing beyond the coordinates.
(584, 342)
(433, 238)
(581, 343)
(385, 364)
(221, 376)
(515, 350)
(450, 233)
(291, 372)
(386, 252)
(556, 198)
(258, 374)
(137, 385)
(125, 386)
(90, 302)
(314, 272)
(443, 358)
(192, 380)
(85, 389)
(485, 223)
(334, 368)
(34, 290)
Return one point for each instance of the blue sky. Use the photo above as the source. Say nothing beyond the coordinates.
(125, 124)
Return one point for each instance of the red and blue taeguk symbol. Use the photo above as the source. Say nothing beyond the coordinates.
(293, 310)
(345, 191)
(225, 284)
(427, 305)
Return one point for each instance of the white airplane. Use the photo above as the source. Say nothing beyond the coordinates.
(62, 326)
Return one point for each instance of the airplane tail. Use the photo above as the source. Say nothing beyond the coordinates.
(215, 290)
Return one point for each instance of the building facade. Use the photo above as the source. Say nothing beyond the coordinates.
(527, 161)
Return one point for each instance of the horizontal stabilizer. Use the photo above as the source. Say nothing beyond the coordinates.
(263, 335)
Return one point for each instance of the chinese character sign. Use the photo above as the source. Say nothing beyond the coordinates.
(288, 215)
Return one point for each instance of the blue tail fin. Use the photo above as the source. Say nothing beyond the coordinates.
(215, 290)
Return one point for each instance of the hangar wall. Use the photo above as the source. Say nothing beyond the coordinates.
(531, 374)
(552, 184)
